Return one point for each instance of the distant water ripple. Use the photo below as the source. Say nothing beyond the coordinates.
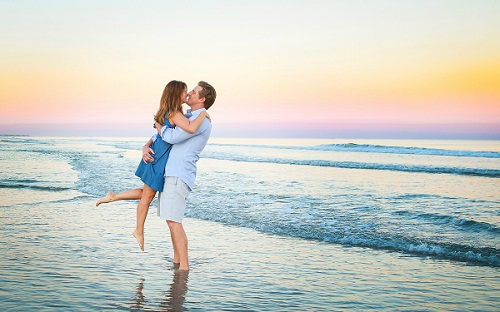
(491, 173)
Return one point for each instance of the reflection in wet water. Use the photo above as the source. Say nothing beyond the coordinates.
(140, 299)
(174, 296)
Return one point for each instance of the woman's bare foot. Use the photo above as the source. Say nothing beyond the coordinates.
(106, 199)
(140, 238)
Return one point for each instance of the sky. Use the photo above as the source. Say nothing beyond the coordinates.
(281, 68)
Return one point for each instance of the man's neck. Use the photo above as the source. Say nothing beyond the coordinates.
(196, 107)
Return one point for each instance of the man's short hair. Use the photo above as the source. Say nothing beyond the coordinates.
(207, 92)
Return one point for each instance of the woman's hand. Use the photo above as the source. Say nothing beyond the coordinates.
(206, 115)
(158, 127)
(147, 153)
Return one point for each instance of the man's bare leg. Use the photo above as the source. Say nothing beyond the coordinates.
(126, 195)
(176, 253)
(142, 212)
(180, 244)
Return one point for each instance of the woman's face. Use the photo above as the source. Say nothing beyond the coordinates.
(184, 95)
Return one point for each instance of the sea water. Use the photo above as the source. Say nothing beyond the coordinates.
(429, 206)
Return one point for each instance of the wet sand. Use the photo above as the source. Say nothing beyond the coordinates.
(73, 255)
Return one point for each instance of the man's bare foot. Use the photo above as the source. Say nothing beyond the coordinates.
(140, 238)
(106, 199)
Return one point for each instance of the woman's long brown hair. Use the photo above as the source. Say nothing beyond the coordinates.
(171, 101)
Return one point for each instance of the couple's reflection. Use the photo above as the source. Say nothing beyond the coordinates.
(174, 297)
(176, 294)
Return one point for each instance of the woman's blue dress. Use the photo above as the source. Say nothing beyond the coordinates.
(152, 174)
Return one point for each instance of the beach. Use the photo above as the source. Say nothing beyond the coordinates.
(78, 257)
(271, 227)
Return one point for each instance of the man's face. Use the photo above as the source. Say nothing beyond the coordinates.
(194, 96)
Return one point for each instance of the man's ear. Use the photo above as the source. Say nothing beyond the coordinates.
(203, 100)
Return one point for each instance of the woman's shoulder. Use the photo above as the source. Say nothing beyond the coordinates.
(167, 122)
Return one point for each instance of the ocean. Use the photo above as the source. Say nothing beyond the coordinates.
(273, 225)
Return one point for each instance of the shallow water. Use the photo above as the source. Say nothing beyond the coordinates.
(263, 235)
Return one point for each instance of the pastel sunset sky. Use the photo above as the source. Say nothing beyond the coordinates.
(281, 68)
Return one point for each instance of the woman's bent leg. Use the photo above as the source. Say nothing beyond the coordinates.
(142, 212)
(126, 195)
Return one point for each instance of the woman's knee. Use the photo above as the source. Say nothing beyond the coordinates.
(148, 194)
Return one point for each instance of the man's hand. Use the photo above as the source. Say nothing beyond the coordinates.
(147, 153)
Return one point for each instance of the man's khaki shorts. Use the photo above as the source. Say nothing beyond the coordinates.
(172, 201)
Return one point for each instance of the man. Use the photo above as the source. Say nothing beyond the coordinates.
(180, 171)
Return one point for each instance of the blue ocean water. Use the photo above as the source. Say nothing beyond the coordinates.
(438, 199)
(424, 200)
(419, 199)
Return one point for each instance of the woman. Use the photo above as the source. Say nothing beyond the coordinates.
(152, 173)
